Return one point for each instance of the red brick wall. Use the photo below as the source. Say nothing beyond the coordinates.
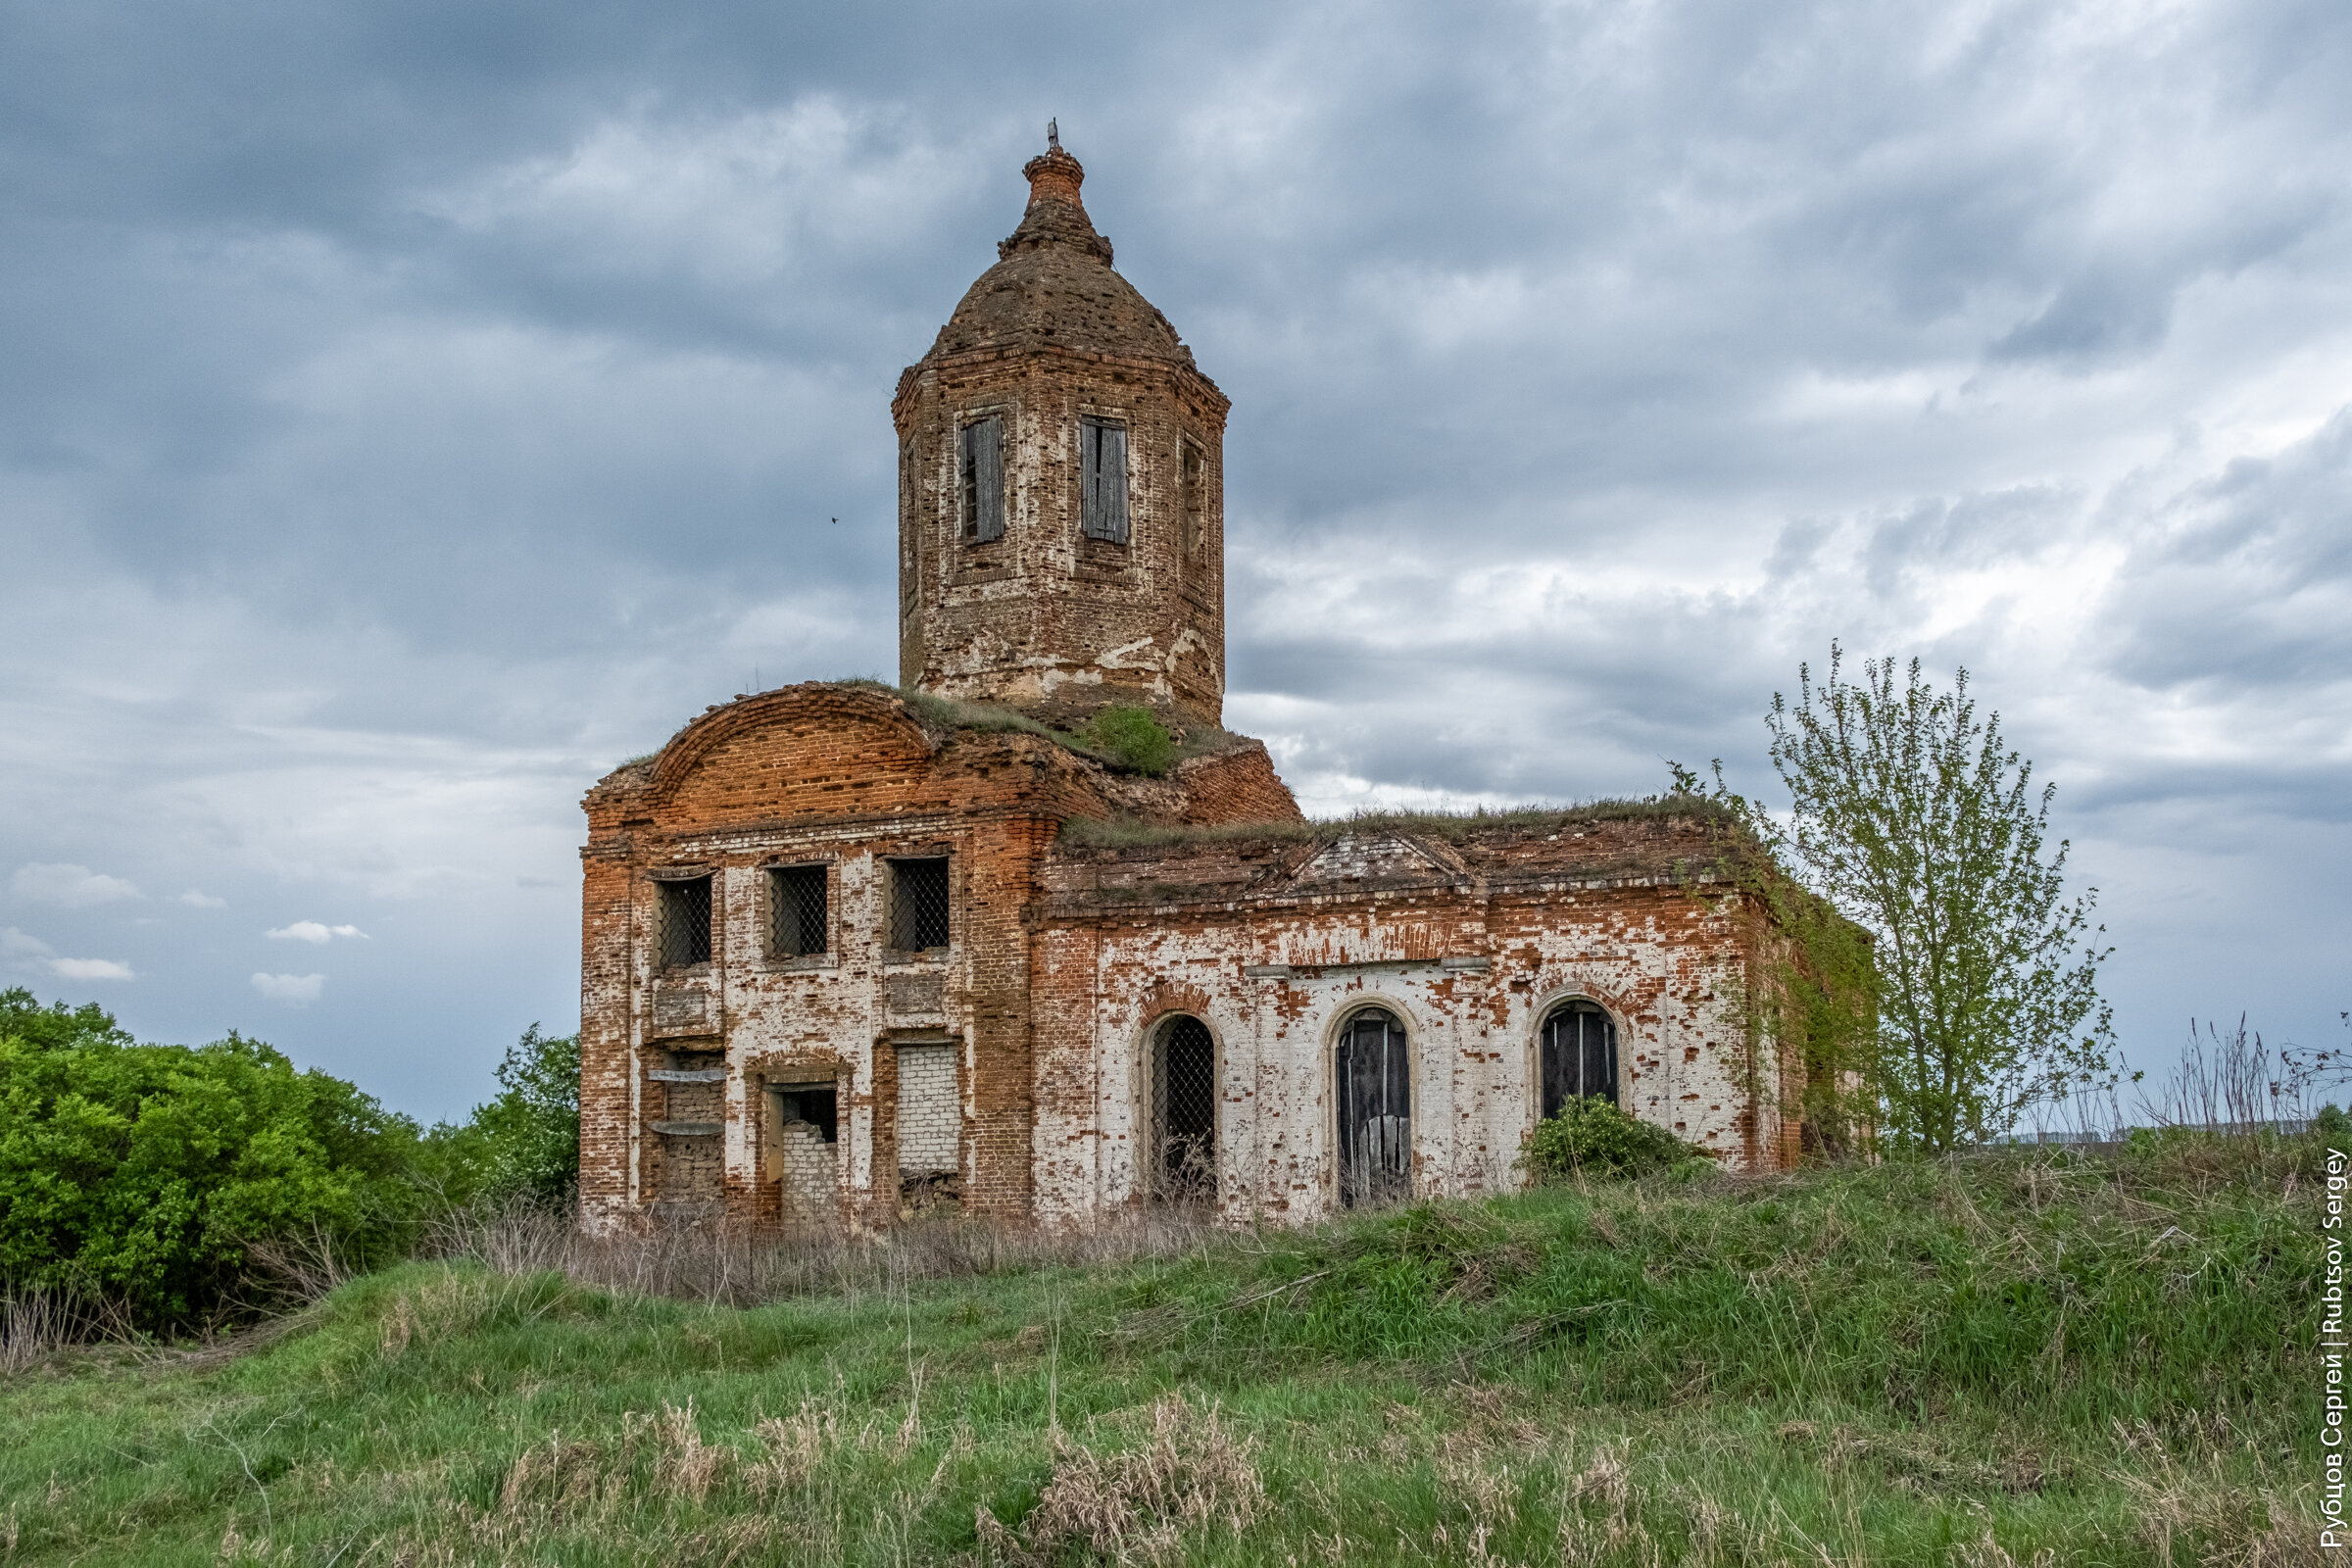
(844, 775)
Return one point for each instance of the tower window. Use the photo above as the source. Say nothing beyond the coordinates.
(1103, 480)
(1192, 467)
(796, 912)
(918, 905)
(682, 921)
(980, 462)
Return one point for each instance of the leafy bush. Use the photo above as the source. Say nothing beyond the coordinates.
(1134, 735)
(525, 1144)
(148, 1173)
(1593, 1137)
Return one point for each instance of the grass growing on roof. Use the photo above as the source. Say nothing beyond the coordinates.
(2097, 1356)
(1118, 833)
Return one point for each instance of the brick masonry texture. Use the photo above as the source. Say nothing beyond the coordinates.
(1006, 1070)
(928, 1123)
(1045, 618)
(808, 1175)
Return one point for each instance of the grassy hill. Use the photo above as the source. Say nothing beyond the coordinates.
(2103, 1358)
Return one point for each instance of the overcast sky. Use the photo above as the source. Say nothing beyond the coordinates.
(410, 411)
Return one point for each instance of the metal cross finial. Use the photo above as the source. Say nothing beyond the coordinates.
(1054, 135)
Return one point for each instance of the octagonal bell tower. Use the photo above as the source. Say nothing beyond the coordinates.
(1061, 522)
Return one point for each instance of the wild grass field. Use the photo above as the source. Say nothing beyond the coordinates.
(2025, 1355)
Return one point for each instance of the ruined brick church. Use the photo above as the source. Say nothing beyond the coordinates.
(851, 952)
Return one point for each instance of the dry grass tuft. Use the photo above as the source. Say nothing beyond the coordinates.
(684, 1465)
(728, 1264)
(795, 1446)
(555, 1475)
(1188, 1477)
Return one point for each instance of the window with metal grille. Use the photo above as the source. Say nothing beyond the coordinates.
(1103, 480)
(683, 921)
(796, 912)
(1184, 1111)
(1578, 1055)
(1373, 1082)
(918, 903)
(980, 462)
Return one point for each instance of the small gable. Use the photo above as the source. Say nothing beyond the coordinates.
(1353, 860)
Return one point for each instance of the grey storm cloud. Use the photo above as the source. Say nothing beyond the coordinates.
(407, 411)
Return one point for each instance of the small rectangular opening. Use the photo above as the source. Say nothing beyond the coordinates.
(813, 1103)
(683, 922)
(797, 927)
(918, 903)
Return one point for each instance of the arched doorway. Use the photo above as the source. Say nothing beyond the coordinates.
(1372, 1083)
(1578, 1055)
(1183, 1151)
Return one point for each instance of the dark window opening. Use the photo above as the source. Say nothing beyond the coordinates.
(1184, 1111)
(1195, 499)
(796, 912)
(683, 921)
(813, 1103)
(980, 463)
(918, 905)
(1373, 1082)
(1103, 480)
(1578, 1056)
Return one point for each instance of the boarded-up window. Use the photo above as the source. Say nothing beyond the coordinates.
(1578, 1056)
(982, 464)
(796, 912)
(682, 917)
(1103, 480)
(918, 903)
(1373, 1082)
(1195, 499)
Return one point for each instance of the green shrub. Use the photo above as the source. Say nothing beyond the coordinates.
(1134, 735)
(147, 1174)
(1594, 1139)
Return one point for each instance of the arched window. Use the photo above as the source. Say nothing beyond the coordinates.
(1183, 1153)
(1578, 1055)
(1373, 1085)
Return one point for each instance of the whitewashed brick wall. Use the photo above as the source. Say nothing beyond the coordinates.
(928, 1118)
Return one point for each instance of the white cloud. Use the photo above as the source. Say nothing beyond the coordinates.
(315, 932)
(75, 887)
(298, 989)
(195, 899)
(89, 969)
(16, 943)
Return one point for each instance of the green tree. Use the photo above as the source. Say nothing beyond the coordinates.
(149, 1173)
(1911, 817)
(526, 1142)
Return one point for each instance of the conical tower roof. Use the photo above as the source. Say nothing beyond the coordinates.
(1053, 286)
